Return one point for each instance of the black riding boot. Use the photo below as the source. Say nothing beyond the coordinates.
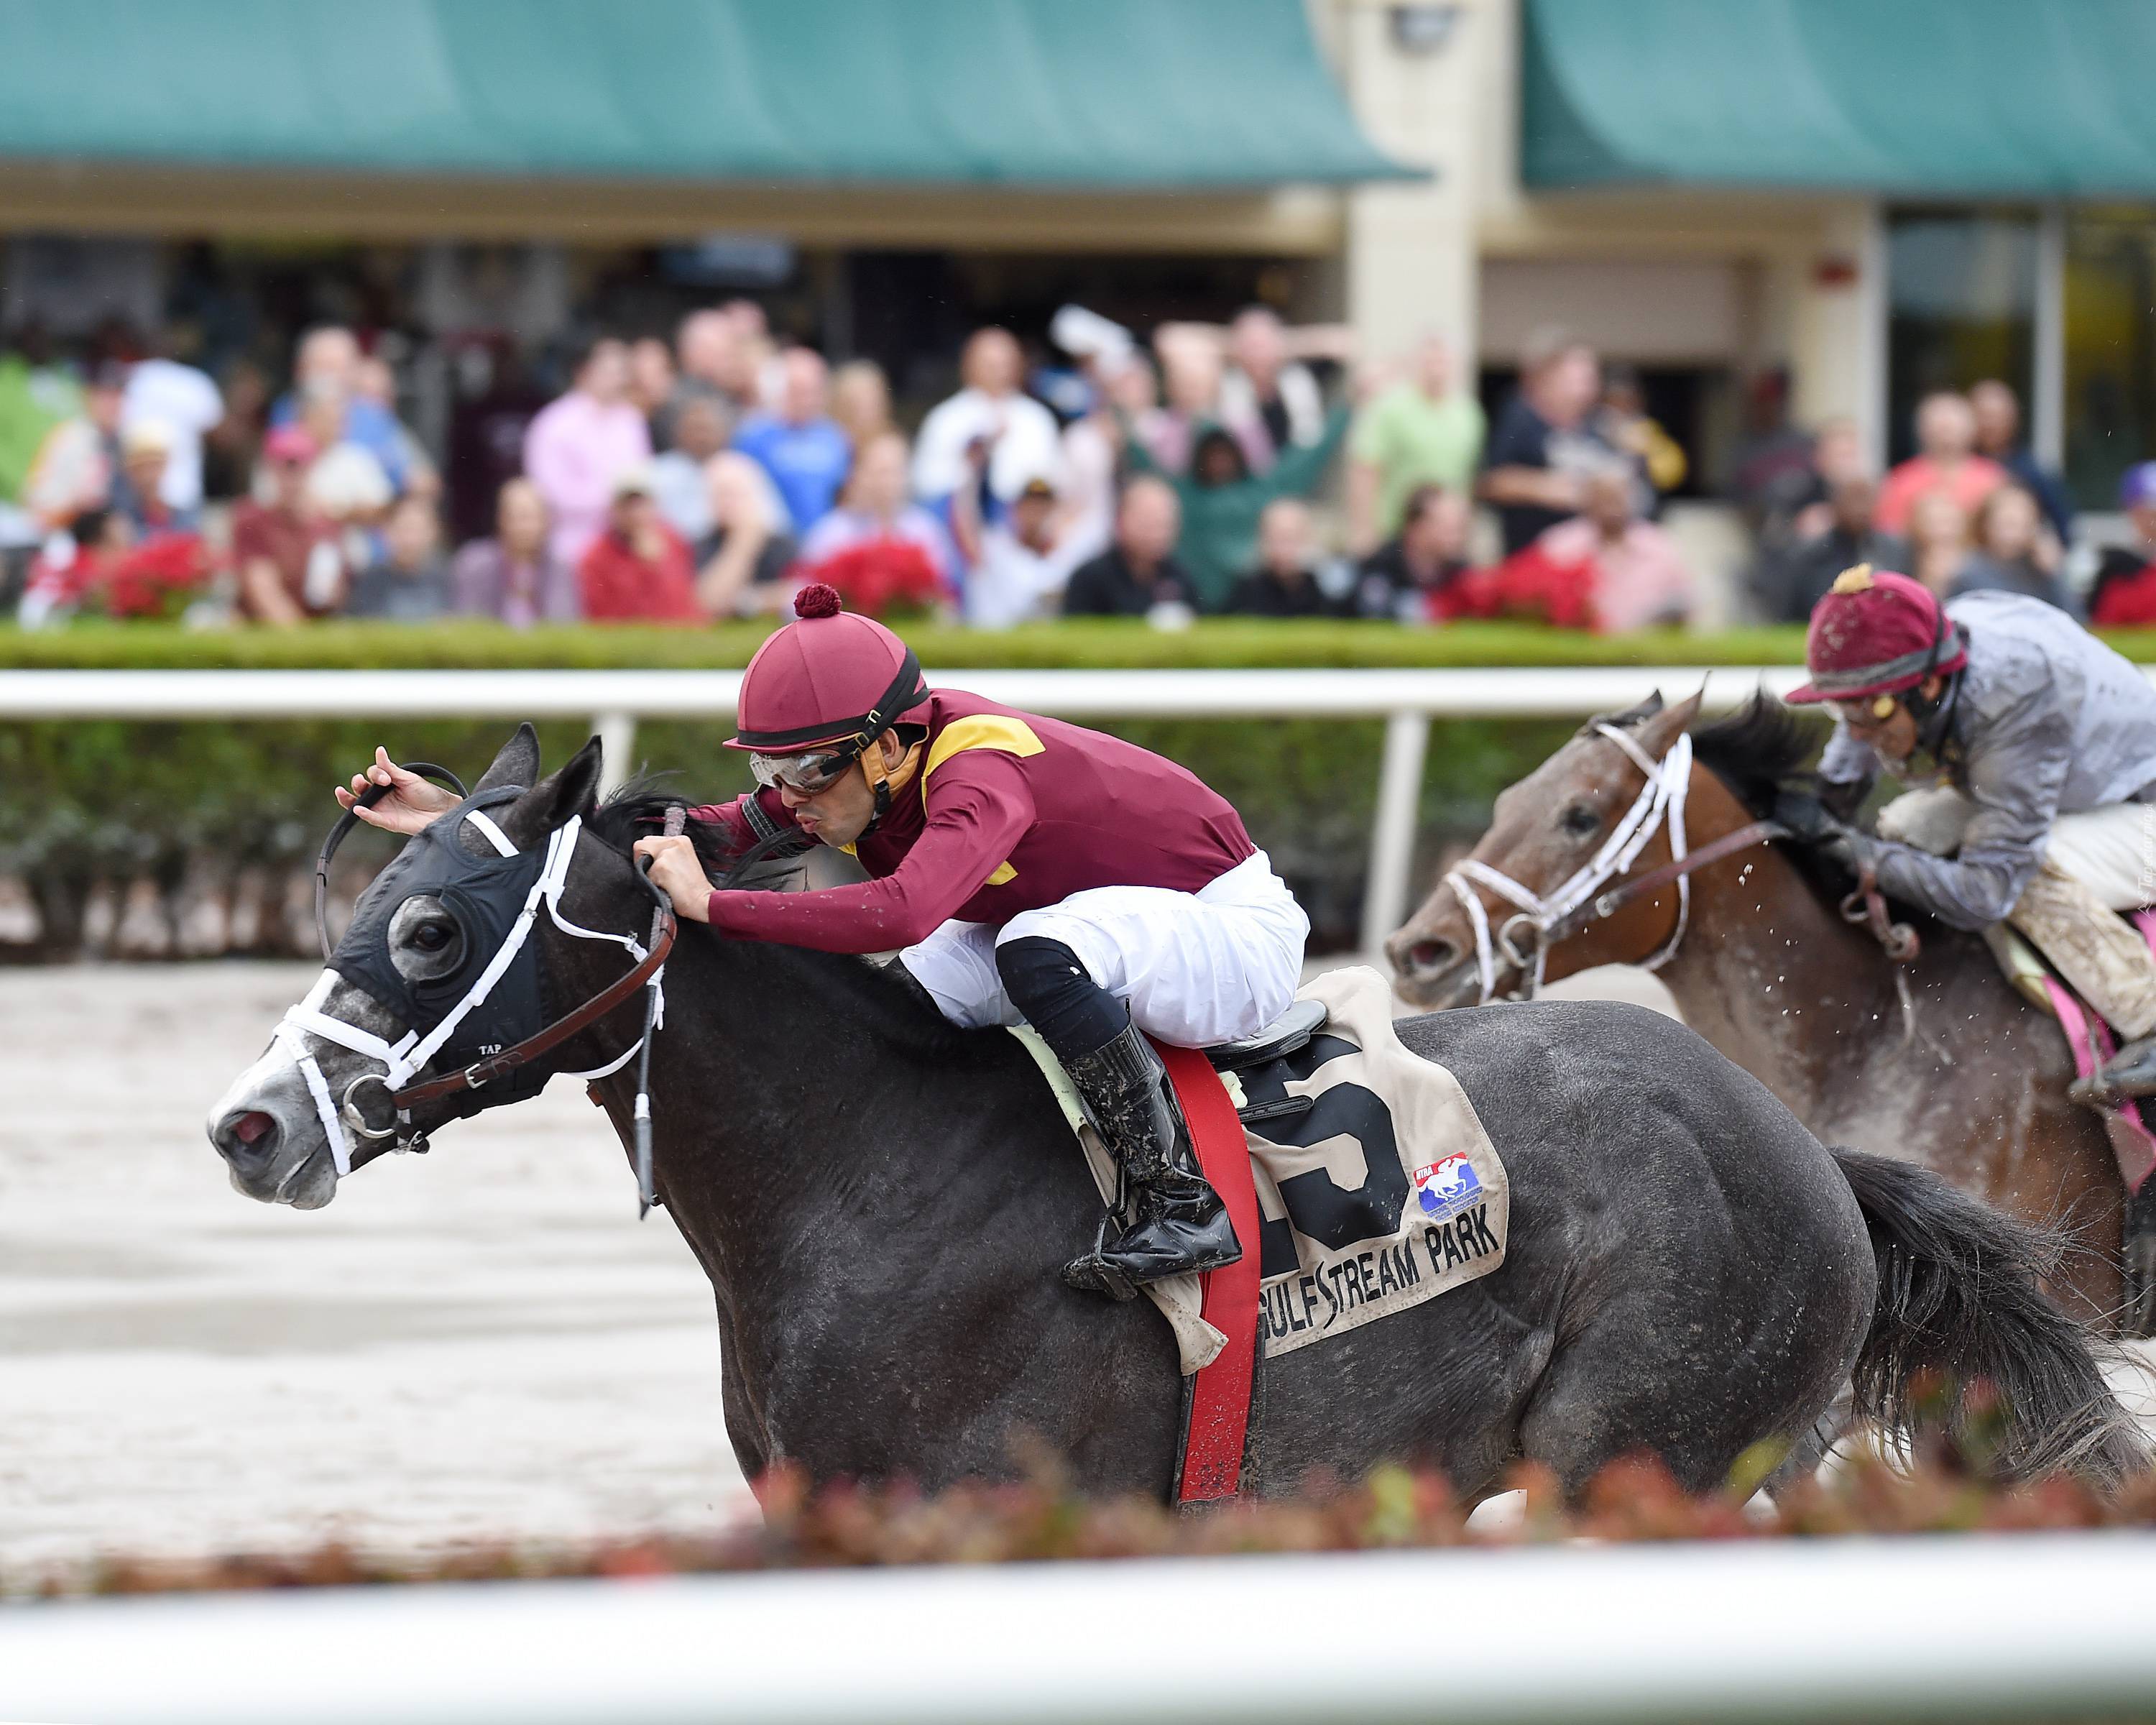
(2130, 1072)
(1181, 1224)
(2137, 1256)
(1168, 1220)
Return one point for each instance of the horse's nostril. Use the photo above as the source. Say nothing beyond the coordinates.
(1429, 955)
(246, 1139)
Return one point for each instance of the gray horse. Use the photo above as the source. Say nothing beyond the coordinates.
(881, 1202)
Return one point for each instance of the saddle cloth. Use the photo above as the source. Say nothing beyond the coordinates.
(1382, 1192)
(2089, 1040)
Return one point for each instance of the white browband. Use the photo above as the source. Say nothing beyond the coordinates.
(404, 1059)
(1660, 799)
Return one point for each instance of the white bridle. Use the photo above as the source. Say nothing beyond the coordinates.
(408, 1055)
(1661, 800)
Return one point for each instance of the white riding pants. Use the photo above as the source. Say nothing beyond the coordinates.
(1196, 968)
(2098, 861)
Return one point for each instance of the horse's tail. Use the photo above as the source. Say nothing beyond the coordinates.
(1959, 1297)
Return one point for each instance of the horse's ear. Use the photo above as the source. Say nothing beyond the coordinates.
(1661, 732)
(555, 799)
(1626, 720)
(517, 764)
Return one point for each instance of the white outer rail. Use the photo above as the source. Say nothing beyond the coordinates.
(1938, 1628)
(615, 700)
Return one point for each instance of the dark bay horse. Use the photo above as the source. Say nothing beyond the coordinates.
(1969, 1080)
(881, 1203)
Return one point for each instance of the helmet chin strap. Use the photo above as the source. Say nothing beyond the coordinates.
(885, 781)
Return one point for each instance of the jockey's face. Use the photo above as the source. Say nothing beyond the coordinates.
(840, 814)
(1893, 737)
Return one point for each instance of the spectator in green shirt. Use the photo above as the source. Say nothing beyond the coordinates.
(1222, 499)
(1421, 432)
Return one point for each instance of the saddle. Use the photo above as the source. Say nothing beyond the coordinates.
(1287, 1034)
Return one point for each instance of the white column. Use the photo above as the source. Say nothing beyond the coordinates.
(1411, 258)
(2047, 388)
(1392, 831)
(1838, 356)
(617, 735)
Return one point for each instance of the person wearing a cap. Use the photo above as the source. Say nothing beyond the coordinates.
(139, 494)
(638, 569)
(2123, 595)
(1023, 869)
(1018, 566)
(2043, 743)
(285, 549)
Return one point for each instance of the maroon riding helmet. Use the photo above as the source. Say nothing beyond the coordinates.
(1877, 634)
(820, 692)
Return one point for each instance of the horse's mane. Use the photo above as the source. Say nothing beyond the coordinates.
(1759, 752)
(891, 1003)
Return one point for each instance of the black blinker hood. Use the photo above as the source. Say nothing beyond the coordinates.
(483, 894)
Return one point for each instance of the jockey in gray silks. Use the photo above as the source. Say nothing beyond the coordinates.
(2041, 810)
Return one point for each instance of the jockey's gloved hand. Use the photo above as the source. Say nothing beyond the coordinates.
(1807, 817)
(1853, 850)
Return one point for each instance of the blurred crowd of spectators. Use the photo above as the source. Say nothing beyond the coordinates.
(1251, 468)
(1972, 510)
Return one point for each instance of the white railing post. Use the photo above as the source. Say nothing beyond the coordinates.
(616, 731)
(1392, 831)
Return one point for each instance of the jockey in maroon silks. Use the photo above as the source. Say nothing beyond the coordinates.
(1023, 869)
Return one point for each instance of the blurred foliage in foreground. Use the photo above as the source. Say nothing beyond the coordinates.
(1040, 1519)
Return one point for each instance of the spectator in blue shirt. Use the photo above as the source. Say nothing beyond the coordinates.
(328, 361)
(801, 446)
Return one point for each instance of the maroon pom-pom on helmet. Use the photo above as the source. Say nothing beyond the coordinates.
(1877, 634)
(825, 678)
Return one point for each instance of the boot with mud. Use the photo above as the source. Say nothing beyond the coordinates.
(2138, 1257)
(1179, 1224)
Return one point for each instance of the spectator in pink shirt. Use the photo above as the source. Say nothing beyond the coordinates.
(1946, 462)
(580, 444)
(1637, 575)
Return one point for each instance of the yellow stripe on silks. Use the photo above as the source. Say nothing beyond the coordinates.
(983, 730)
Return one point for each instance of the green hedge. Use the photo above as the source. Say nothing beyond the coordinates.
(1081, 643)
(1078, 642)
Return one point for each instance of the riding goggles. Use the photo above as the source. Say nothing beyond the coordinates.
(808, 772)
(1872, 710)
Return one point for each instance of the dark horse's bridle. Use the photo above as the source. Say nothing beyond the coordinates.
(402, 1059)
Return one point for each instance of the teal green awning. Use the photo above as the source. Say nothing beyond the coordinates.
(1964, 98)
(1171, 95)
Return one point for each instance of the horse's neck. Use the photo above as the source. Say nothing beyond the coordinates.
(787, 1120)
(1768, 973)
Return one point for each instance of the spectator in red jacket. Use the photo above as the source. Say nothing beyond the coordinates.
(637, 570)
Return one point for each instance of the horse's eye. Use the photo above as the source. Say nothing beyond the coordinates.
(1580, 819)
(432, 937)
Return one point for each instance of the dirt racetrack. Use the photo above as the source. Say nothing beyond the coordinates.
(483, 1341)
